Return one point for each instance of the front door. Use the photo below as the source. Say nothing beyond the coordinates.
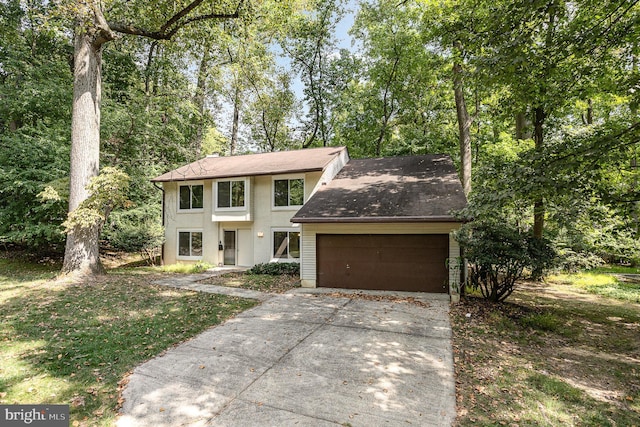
(245, 248)
(229, 247)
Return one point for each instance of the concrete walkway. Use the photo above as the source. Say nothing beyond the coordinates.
(306, 358)
(191, 282)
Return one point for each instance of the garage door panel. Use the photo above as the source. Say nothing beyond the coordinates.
(383, 262)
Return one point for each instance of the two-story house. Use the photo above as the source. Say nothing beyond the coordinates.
(237, 210)
(381, 223)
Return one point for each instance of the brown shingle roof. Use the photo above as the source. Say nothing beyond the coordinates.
(394, 189)
(298, 161)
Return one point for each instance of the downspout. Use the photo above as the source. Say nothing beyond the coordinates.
(162, 247)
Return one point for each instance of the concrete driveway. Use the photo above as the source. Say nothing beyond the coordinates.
(306, 358)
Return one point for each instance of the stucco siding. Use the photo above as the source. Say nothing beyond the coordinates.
(199, 220)
(264, 218)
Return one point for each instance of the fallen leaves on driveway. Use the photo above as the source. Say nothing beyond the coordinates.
(373, 297)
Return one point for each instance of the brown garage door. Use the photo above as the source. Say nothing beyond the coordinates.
(414, 262)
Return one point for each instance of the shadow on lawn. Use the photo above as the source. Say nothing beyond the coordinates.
(548, 357)
(73, 344)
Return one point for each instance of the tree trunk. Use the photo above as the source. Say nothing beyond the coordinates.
(91, 31)
(635, 207)
(523, 126)
(538, 204)
(587, 117)
(81, 251)
(464, 128)
(236, 119)
(387, 107)
(199, 100)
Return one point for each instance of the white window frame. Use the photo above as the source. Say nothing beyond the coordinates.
(190, 184)
(289, 257)
(247, 192)
(190, 231)
(287, 178)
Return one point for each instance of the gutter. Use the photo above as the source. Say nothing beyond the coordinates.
(375, 219)
(182, 177)
(163, 202)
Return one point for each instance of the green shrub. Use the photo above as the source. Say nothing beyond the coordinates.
(572, 261)
(198, 267)
(136, 230)
(499, 255)
(276, 268)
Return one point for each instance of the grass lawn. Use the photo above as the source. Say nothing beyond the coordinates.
(555, 354)
(258, 282)
(616, 284)
(75, 343)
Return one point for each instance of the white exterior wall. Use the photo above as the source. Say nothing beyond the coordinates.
(268, 218)
(200, 220)
(260, 217)
(329, 173)
(308, 267)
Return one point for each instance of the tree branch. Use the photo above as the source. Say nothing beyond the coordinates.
(105, 33)
(182, 13)
(174, 24)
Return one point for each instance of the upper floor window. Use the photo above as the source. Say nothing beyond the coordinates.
(191, 197)
(288, 192)
(231, 194)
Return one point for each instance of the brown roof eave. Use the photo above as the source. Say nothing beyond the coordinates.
(377, 219)
(200, 178)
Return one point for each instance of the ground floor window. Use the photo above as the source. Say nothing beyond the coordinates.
(190, 244)
(286, 245)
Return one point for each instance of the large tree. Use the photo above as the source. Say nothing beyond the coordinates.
(548, 55)
(95, 24)
(539, 59)
(393, 97)
(310, 43)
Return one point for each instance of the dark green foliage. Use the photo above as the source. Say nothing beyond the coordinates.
(35, 98)
(143, 134)
(136, 230)
(30, 159)
(499, 255)
(588, 186)
(572, 261)
(276, 268)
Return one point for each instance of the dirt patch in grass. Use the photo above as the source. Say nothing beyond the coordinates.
(117, 259)
(550, 355)
(258, 282)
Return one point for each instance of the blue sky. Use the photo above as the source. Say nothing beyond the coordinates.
(342, 37)
(343, 41)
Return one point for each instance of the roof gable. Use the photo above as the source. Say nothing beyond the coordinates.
(394, 189)
(274, 163)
